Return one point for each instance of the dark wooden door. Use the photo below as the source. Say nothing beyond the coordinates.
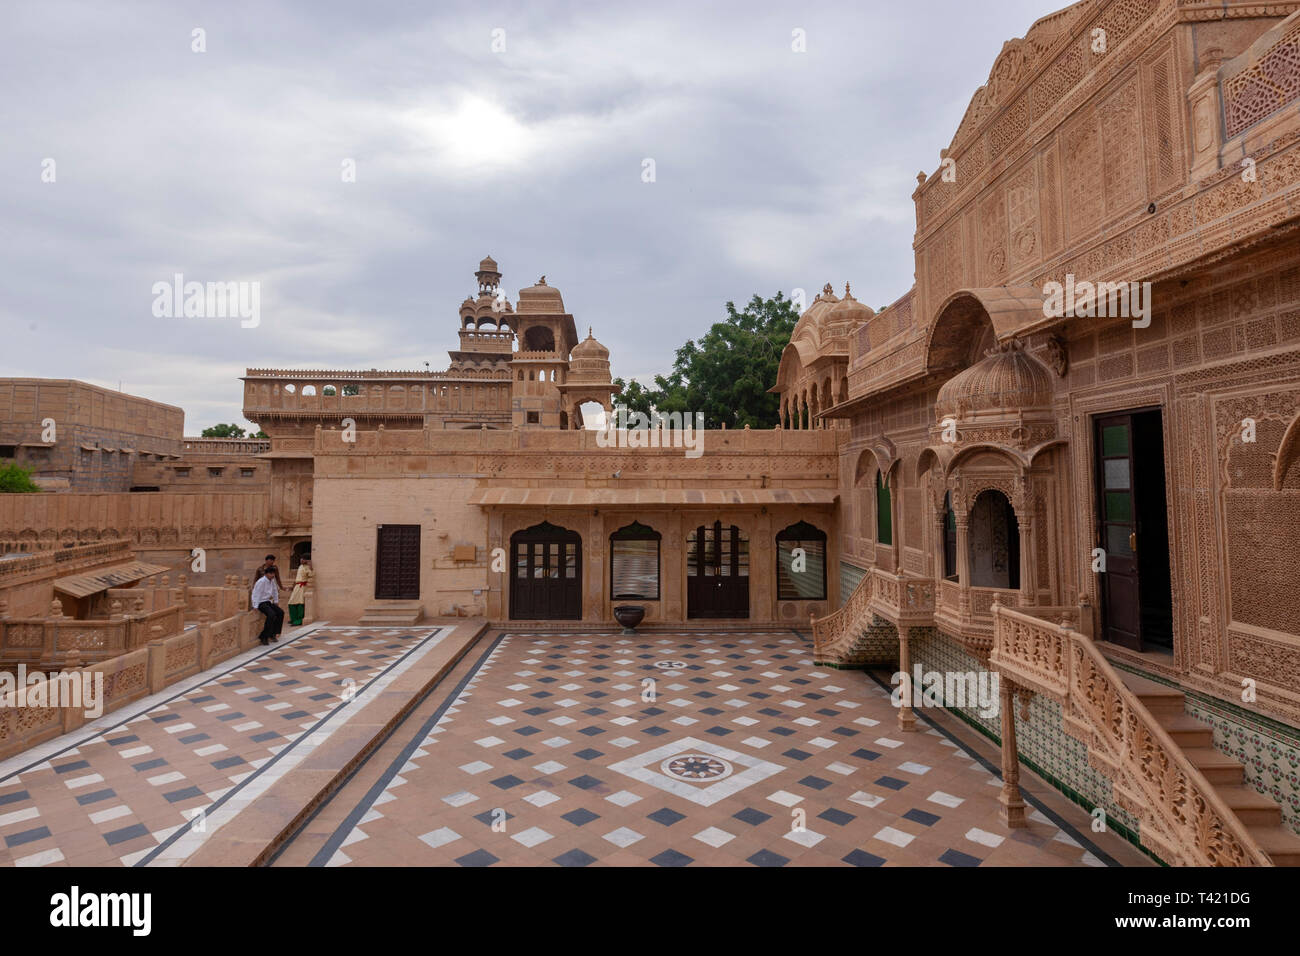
(717, 569)
(1117, 531)
(546, 583)
(397, 563)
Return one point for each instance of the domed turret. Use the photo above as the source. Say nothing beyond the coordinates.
(541, 299)
(489, 277)
(589, 362)
(831, 318)
(1007, 380)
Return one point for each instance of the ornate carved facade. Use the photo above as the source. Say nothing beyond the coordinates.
(1120, 472)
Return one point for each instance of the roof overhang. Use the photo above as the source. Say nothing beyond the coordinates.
(1012, 309)
(92, 582)
(649, 497)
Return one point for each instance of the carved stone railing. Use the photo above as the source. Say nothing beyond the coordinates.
(1182, 818)
(967, 615)
(28, 718)
(905, 600)
(1261, 82)
(314, 394)
(226, 447)
(148, 627)
(835, 633)
(902, 600)
(47, 643)
(983, 599)
(55, 560)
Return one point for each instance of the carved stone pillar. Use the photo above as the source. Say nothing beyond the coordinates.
(906, 715)
(937, 554)
(1011, 805)
(1028, 566)
(963, 556)
(1203, 100)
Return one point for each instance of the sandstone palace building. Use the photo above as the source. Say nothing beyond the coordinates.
(1100, 503)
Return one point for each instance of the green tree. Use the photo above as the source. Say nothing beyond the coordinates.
(223, 431)
(15, 479)
(727, 373)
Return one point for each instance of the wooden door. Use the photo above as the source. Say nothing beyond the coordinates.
(1117, 527)
(546, 574)
(717, 567)
(397, 563)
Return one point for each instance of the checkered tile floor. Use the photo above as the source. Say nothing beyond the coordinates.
(111, 793)
(724, 748)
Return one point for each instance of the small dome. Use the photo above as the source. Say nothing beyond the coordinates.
(488, 265)
(1007, 379)
(589, 348)
(845, 314)
(829, 319)
(541, 299)
(589, 362)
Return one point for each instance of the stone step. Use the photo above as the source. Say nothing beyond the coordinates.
(1261, 815)
(1216, 767)
(262, 826)
(392, 614)
(1186, 731)
(1157, 698)
(1280, 843)
(1253, 808)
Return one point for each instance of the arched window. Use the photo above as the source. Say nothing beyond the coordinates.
(884, 513)
(949, 539)
(539, 339)
(801, 563)
(634, 563)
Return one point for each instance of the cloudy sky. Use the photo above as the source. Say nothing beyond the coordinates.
(773, 170)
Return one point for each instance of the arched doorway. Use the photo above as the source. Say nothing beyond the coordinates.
(717, 569)
(546, 578)
(994, 542)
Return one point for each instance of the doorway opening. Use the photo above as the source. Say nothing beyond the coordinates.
(994, 542)
(1133, 530)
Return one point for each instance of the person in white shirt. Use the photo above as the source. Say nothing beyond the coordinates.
(266, 598)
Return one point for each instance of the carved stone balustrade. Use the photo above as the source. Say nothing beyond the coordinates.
(1182, 819)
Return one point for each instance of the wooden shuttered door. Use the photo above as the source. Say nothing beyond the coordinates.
(397, 563)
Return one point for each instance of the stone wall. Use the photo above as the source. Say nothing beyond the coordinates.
(99, 435)
(430, 477)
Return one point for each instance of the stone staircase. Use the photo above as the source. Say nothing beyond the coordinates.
(392, 614)
(1261, 816)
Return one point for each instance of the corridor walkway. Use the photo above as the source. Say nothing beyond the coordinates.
(151, 782)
